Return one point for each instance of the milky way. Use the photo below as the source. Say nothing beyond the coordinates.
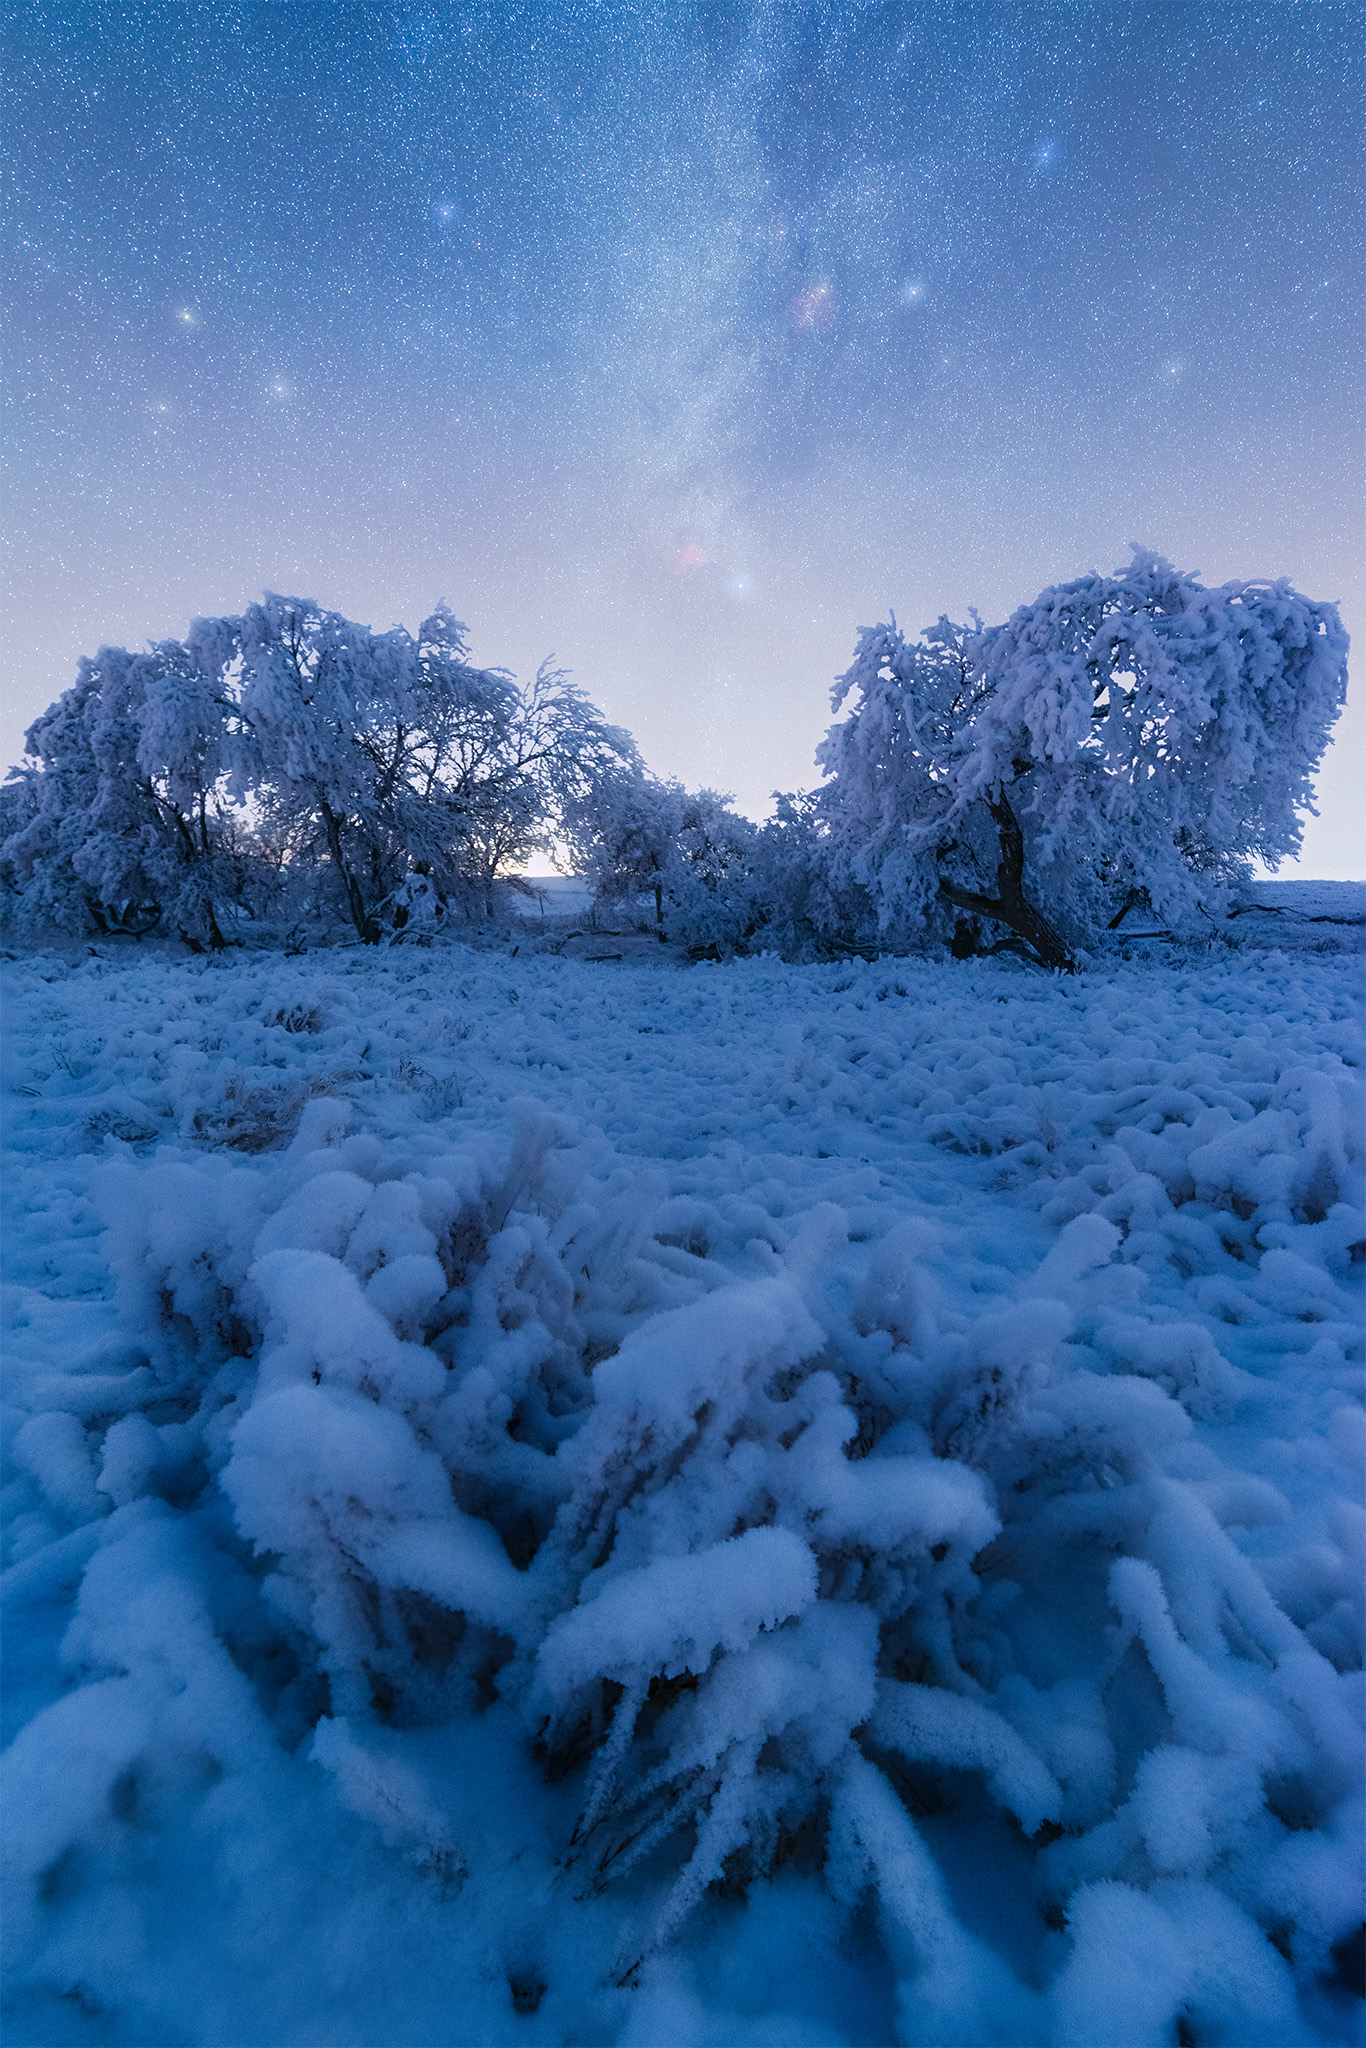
(676, 340)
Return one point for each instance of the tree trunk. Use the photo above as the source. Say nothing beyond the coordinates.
(364, 923)
(217, 943)
(1011, 906)
(1131, 902)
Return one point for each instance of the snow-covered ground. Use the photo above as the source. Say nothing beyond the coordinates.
(556, 1501)
(1320, 902)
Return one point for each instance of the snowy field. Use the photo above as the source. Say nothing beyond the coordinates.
(558, 1502)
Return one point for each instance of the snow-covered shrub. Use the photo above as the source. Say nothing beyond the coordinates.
(1123, 739)
(494, 1447)
(809, 912)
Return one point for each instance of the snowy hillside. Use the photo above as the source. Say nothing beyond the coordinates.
(652, 1504)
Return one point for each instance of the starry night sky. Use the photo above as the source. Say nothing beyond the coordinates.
(677, 340)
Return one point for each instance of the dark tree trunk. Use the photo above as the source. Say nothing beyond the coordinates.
(1010, 905)
(216, 942)
(1132, 901)
(360, 917)
(195, 853)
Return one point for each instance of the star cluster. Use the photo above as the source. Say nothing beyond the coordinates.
(677, 338)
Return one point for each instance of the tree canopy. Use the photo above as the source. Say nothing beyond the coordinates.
(289, 760)
(1123, 739)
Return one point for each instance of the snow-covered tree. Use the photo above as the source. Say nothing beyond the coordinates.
(320, 697)
(714, 893)
(1124, 739)
(622, 836)
(388, 752)
(633, 836)
(129, 817)
(559, 758)
(289, 754)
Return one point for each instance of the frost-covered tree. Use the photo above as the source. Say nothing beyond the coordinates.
(622, 836)
(559, 758)
(633, 836)
(288, 754)
(386, 752)
(808, 913)
(1123, 739)
(18, 810)
(323, 702)
(129, 813)
(714, 897)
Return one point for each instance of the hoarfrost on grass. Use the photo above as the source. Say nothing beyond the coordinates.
(766, 1503)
